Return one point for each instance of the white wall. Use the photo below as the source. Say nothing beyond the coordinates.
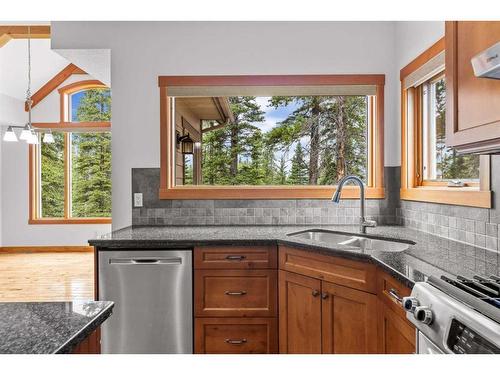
(140, 51)
(15, 230)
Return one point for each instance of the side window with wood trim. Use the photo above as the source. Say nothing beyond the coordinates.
(432, 171)
(71, 177)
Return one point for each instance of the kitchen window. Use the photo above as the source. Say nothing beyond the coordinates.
(250, 137)
(70, 179)
(431, 171)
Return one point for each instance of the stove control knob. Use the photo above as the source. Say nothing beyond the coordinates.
(410, 303)
(423, 314)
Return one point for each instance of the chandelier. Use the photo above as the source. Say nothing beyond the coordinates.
(28, 132)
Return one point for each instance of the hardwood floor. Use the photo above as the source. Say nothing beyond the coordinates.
(46, 276)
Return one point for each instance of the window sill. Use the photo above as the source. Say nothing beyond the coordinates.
(266, 192)
(462, 196)
(97, 220)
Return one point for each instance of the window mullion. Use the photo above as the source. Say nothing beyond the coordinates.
(67, 175)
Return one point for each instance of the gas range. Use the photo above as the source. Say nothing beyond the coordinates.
(459, 315)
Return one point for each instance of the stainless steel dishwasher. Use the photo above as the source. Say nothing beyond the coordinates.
(152, 291)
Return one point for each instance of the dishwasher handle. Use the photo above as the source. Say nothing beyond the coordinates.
(145, 261)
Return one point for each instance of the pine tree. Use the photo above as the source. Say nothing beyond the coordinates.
(52, 177)
(91, 166)
(298, 171)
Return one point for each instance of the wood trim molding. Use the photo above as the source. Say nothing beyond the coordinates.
(413, 187)
(265, 192)
(470, 197)
(168, 190)
(273, 80)
(53, 83)
(97, 220)
(8, 33)
(421, 59)
(45, 249)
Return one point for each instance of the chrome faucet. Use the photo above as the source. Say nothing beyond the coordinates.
(363, 223)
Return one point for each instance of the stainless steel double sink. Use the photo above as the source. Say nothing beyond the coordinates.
(358, 241)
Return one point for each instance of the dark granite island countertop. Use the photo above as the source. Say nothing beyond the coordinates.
(431, 255)
(49, 327)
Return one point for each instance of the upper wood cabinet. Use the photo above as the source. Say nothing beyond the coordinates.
(472, 103)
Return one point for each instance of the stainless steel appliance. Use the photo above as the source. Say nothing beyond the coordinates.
(152, 291)
(459, 316)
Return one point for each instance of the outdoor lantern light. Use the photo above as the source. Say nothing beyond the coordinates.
(9, 135)
(186, 143)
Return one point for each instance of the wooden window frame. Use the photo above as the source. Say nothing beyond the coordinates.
(413, 186)
(168, 189)
(64, 125)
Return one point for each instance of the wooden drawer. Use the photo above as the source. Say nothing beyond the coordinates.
(236, 335)
(243, 293)
(386, 283)
(235, 257)
(350, 273)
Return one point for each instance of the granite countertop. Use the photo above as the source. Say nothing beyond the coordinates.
(431, 255)
(49, 327)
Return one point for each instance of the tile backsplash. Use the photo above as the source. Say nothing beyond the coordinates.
(248, 212)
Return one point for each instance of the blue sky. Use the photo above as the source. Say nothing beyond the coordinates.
(75, 102)
(272, 116)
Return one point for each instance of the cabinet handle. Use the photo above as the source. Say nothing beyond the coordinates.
(324, 295)
(235, 257)
(394, 294)
(236, 293)
(235, 341)
(315, 293)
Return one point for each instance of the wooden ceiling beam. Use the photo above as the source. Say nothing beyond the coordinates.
(54, 83)
(4, 39)
(22, 32)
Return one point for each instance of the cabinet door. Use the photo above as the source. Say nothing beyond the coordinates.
(300, 314)
(349, 320)
(396, 335)
(472, 103)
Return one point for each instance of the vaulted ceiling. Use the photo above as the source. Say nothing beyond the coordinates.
(45, 63)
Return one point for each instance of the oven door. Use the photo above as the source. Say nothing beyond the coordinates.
(426, 346)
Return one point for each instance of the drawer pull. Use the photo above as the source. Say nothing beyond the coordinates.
(235, 293)
(235, 257)
(324, 295)
(315, 293)
(236, 341)
(394, 294)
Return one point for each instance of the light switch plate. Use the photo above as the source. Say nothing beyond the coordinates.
(137, 199)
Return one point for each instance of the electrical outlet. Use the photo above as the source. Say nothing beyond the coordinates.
(137, 199)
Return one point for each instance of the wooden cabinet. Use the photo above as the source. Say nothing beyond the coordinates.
(300, 314)
(236, 335)
(472, 103)
(245, 293)
(320, 316)
(91, 345)
(350, 273)
(349, 320)
(396, 334)
(235, 299)
(235, 257)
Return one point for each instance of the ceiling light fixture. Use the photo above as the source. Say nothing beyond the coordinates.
(9, 135)
(48, 137)
(28, 133)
